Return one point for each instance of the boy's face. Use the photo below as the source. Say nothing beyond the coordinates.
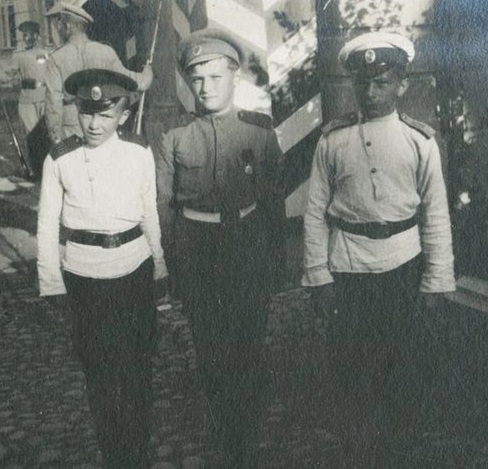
(377, 96)
(30, 39)
(98, 127)
(213, 84)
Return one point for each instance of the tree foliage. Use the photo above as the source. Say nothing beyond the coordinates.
(371, 14)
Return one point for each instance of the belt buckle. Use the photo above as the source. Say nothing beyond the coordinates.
(379, 231)
(111, 242)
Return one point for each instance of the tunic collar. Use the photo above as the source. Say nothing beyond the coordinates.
(388, 118)
(104, 147)
(232, 113)
(78, 38)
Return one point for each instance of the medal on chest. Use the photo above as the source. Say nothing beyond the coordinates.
(247, 159)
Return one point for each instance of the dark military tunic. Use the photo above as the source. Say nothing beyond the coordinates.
(223, 164)
(214, 163)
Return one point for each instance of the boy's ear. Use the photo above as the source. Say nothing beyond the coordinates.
(237, 76)
(125, 115)
(404, 84)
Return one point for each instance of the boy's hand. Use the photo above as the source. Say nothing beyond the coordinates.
(431, 302)
(323, 298)
(147, 77)
(161, 287)
(59, 302)
(160, 270)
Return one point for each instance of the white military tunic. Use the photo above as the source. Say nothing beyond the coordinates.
(107, 189)
(382, 170)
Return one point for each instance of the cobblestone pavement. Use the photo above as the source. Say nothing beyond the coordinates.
(45, 421)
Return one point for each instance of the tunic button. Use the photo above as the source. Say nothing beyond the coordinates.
(373, 170)
(368, 144)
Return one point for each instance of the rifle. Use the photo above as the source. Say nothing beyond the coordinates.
(140, 109)
(23, 162)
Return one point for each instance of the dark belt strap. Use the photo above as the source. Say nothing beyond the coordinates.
(373, 230)
(107, 241)
(28, 84)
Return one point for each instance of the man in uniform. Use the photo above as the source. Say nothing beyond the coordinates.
(30, 65)
(77, 53)
(377, 246)
(103, 190)
(218, 198)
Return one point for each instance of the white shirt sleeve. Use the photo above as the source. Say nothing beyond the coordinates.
(50, 207)
(316, 235)
(434, 223)
(150, 220)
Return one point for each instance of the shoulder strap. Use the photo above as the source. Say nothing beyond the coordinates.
(255, 118)
(426, 130)
(65, 146)
(341, 122)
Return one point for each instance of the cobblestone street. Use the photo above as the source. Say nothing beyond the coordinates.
(45, 421)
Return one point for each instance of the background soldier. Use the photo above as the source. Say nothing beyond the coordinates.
(217, 194)
(377, 232)
(104, 191)
(30, 64)
(78, 53)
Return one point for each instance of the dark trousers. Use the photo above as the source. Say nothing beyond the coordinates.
(225, 293)
(377, 359)
(114, 334)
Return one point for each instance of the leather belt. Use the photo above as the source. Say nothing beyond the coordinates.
(209, 217)
(28, 84)
(373, 230)
(106, 241)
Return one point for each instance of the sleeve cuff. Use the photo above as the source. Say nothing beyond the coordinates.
(54, 290)
(429, 285)
(316, 277)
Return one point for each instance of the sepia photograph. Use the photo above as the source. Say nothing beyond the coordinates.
(243, 234)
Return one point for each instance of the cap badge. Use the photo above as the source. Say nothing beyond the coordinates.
(197, 50)
(96, 93)
(370, 56)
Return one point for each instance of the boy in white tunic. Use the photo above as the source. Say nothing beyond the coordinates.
(377, 247)
(102, 189)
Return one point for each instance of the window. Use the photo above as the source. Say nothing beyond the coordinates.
(48, 4)
(7, 20)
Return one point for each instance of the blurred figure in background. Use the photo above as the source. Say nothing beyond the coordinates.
(77, 53)
(28, 65)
